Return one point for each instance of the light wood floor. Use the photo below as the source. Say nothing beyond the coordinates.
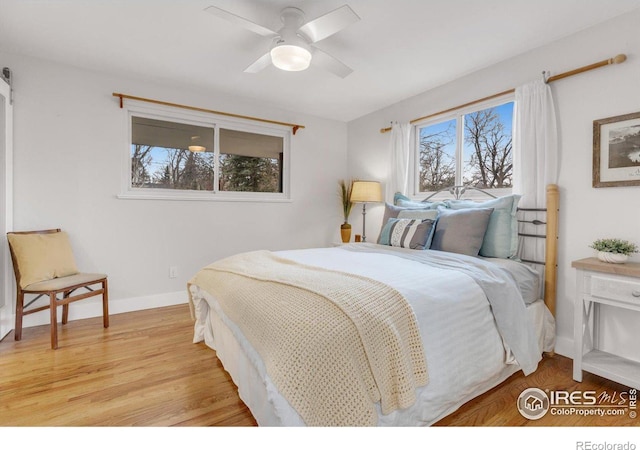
(145, 371)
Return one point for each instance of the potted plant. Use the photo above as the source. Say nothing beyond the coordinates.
(345, 198)
(614, 250)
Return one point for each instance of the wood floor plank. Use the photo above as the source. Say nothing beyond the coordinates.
(145, 371)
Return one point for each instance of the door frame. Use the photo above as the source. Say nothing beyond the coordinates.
(6, 153)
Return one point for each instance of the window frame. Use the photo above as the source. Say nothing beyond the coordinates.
(458, 115)
(215, 122)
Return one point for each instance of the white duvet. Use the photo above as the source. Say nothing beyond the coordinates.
(465, 352)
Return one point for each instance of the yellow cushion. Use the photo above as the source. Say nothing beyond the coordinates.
(41, 257)
(58, 284)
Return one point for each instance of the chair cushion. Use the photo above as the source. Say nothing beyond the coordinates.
(41, 257)
(59, 284)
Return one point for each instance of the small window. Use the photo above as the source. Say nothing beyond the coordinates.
(191, 158)
(473, 148)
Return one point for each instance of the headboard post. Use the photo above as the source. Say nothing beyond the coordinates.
(551, 245)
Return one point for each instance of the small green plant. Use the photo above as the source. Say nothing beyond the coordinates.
(345, 198)
(614, 246)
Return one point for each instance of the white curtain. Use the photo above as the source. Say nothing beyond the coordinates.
(535, 147)
(535, 161)
(398, 179)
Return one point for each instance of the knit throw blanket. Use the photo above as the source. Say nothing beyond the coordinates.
(332, 343)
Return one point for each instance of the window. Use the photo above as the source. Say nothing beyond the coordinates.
(250, 162)
(471, 148)
(193, 157)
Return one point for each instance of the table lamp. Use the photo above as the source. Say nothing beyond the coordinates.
(365, 192)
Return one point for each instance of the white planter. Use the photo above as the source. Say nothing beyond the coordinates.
(615, 258)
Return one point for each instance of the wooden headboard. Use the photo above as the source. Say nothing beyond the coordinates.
(551, 248)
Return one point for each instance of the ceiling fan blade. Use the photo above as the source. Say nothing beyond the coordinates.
(329, 63)
(259, 64)
(241, 21)
(330, 23)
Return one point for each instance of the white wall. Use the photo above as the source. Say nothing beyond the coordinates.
(586, 213)
(69, 137)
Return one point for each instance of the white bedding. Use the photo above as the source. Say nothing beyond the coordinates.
(465, 352)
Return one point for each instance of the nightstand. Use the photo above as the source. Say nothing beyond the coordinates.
(600, 283)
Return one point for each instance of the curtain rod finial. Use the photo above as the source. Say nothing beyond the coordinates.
(618, 59)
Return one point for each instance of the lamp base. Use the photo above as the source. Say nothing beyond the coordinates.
(364, 216)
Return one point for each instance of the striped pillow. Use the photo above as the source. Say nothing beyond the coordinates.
(407, 233)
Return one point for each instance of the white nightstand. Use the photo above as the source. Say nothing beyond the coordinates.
(617, 285)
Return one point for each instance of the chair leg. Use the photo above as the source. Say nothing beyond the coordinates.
(65, 309)
(19, 314)
(54, 321)
(105, 304)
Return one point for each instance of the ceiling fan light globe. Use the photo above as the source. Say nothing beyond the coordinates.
(290, 57)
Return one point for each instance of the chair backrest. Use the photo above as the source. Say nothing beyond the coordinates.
(40, 255)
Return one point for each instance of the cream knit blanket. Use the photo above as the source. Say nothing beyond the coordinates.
(332, 343)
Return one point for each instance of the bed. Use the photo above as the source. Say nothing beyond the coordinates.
(401, 332)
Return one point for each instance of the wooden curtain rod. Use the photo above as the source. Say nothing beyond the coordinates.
(618, 59)
(294, 126)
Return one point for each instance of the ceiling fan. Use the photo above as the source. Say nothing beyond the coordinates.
(291, 48)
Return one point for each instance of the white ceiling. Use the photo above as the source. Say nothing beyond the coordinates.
(398, 49)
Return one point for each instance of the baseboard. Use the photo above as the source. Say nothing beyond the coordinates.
(93, 307)
(7, 320)
(564, 346)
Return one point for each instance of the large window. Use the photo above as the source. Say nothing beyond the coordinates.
(174, 157)
(471, 148)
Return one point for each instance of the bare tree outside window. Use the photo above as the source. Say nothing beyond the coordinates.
(140, 162)
(490, 164)
(485, 153)
(171, 168)
(437, 156)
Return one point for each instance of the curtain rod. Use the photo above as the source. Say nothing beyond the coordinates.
(294, 126)
(618, 59)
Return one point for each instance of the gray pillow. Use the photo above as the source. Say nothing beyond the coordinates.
(461, 231)
(501, 239)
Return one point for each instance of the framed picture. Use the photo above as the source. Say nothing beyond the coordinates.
(616, 151)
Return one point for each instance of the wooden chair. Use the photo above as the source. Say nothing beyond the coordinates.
(44, 265)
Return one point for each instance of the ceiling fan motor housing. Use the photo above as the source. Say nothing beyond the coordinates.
(291, 51)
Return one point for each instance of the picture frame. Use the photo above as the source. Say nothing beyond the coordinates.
(616, 151)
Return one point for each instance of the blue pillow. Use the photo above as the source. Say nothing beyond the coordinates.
(501, 238)
(407, 233)
(405, 202)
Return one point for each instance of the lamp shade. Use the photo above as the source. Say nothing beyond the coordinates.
(366, 191)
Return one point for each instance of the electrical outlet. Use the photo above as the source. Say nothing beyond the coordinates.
(173, 271)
